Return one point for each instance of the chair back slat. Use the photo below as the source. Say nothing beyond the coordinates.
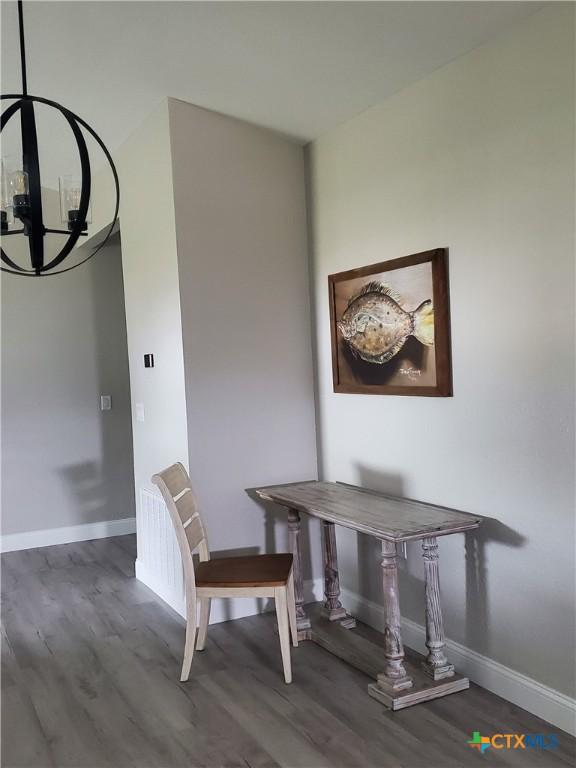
(176, 479)
(176, 490)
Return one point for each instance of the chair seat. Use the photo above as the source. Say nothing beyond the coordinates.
(247, 571)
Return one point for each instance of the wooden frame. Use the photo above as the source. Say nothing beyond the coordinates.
(438, 258)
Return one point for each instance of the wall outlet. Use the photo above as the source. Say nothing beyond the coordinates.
(140, 412)
(105, 402)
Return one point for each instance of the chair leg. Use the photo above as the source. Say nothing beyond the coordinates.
(280, 598)
(292, 610)
(203, 626)
(189, 646)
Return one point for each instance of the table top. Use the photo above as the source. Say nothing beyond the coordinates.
(386, 517)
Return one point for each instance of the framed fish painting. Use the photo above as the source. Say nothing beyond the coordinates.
(390, 326)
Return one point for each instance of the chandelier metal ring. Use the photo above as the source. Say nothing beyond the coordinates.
(26, 204)
(76, 123)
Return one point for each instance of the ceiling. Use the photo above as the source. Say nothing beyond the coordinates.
(297, 67)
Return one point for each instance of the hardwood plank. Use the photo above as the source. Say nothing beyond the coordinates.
(91, 661)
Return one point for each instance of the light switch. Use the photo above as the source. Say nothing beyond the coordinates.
(105, 402)
(140, 412)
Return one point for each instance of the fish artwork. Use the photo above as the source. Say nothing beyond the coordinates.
(375, 326)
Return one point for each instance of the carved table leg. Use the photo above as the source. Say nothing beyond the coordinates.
(333, 609)
(436, 664)
(394, 677)
(302, 621)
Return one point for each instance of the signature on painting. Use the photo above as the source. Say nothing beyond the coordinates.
(412, 373)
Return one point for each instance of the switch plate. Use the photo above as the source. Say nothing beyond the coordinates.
(149, 361)
(105, 402)
(140, 412)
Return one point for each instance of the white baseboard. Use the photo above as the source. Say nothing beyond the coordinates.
(540, 700)
(11, 542)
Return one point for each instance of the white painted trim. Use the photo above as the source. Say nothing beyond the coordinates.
(539, 699)
(174, 598)
(11, 542)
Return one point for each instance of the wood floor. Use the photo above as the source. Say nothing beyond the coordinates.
(91, 662)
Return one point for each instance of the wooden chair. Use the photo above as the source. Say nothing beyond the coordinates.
(249, 576)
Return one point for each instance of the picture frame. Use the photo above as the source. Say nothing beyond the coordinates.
(390, 327)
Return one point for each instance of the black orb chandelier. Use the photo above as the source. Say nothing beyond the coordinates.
(21, 193)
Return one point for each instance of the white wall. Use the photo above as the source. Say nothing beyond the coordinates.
(240, 204)
(153, 320)
(64, 461)
(478, 157)
(213, 223)
(152, 298)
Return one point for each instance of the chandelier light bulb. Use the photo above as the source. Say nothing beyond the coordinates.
(70, 199)
(19, 183)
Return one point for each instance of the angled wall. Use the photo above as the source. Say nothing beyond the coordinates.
(242, 255)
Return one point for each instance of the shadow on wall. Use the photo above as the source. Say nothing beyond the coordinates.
(105, 489)
(477, 632)
(274, 513)
(112, 364)
(86, 483)
(102, 488)
(369, 549)
(491, 530)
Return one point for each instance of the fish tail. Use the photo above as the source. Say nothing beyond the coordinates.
(423, 317)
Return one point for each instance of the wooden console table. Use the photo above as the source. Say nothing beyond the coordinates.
(401, 683)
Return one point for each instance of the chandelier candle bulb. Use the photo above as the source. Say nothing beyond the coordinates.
(20, 194)
(70, 194)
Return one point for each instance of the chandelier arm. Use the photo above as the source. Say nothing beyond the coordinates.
(10, 111)
(31, 164)
(20, 273)
(78, 264)
(20, 270)
(16, 268)
(50, 231)
(78, 224)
